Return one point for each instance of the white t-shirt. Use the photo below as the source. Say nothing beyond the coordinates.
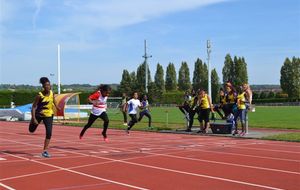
(133, 106)
(101, 106)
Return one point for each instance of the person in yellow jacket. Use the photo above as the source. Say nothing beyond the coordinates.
(205, 107)
(43, 110)
(241, 111)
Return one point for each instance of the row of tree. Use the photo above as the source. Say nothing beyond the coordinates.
(290, 77)
(234, 70)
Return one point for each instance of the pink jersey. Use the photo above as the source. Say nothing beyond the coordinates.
(101, 106)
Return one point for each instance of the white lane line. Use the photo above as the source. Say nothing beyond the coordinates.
(164, 169)
(75, 167)
(81, 186)
(1, 159)
(7, 187)
(83, 174)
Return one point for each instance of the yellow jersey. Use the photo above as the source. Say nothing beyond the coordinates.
(241, 99)
(204, 103)
(223, 100)
(45, 105)
(231, 98)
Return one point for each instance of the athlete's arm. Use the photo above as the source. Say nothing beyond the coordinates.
(210, 104)
(33, 109)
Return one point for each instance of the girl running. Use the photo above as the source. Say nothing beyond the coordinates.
(98, 99)
(133, 105)
(241, 112)
(42, 110)
(145, 111)
(205, 105)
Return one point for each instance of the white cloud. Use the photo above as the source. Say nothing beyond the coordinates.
(118, 13)
(38, 5)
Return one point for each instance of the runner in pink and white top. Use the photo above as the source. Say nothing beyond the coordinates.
(98, 99)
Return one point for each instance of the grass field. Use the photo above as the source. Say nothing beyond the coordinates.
(263, 117)
(172, 118)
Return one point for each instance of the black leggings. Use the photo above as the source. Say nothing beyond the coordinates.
(147, 114)
(132, 121)
(192, 114)
(48, 121)
(92, 119)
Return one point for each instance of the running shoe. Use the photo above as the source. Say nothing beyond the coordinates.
(45, 154)
(127, 131)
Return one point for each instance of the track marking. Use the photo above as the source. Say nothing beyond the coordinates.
(74, 167)
(158, 168)
(1, 159)
(7, 187)
(231, 164)
(86, 175)
(225, 163)
(81, 186)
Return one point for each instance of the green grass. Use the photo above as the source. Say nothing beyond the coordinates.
(264, 117)
(295, 137)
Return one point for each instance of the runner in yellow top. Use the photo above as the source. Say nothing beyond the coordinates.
(205, 106)
(241, 112)
(42, 110)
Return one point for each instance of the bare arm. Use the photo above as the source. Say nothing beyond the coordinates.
(210, 104)
(33, 109)
(125, 107)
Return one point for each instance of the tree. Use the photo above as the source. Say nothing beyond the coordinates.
(159, 78)
(228, 69)
(134, 86)
(171, 83)
(215, 85)
(290, 77)
(235, 70)
(196, 74)
(263, 95)
(204, 77)
(184, 81)
(240, 71)
(125, 84)
(141, 78)
(271, 94)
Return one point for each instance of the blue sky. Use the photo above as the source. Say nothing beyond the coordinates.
(101, 38)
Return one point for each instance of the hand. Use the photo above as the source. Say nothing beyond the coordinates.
(95, 102)
(35, 121)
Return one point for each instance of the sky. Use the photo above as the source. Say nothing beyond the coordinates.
(100, 38)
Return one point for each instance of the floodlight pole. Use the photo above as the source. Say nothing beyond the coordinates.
(58, 68)
(146, 56)
(208, 65)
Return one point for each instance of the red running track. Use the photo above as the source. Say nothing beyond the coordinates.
(143, 160)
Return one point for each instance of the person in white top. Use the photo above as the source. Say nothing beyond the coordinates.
(133, 105)
(98, 99)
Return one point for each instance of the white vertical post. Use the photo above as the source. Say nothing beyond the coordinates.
(58, 69)
(208, 65)
(146, 68)
(146, 56)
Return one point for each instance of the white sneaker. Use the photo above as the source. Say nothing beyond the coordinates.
(125, 124)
